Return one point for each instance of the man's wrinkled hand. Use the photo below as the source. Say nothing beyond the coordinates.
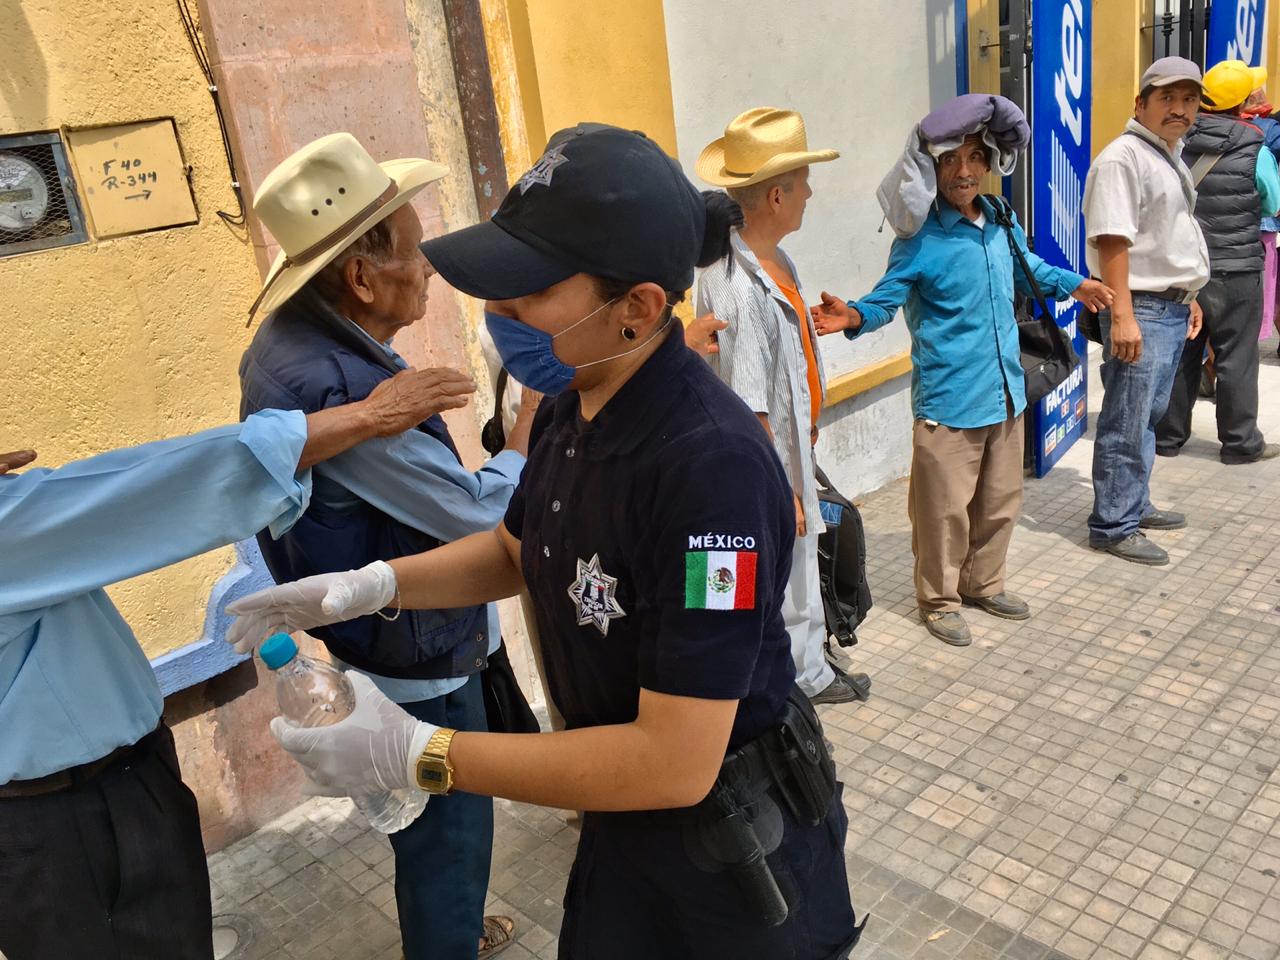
(833, 315)
(15, 459)
(801, 527)
(310, 602)
(1195, 322)
(530, 400)
(1126, 339)
(701, 336)
(1094, 294)
(411, 396)
(373, 750)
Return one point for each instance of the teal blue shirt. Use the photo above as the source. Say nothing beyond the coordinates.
(74, 684)
(955, 282)
(1266, 175)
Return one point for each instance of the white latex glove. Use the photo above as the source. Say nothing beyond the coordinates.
(373, 750)
(310, 602)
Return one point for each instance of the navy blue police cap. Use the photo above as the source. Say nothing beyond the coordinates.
(600, 200)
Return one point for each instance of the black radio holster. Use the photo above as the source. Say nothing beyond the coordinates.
(801, 762)
(740, 821)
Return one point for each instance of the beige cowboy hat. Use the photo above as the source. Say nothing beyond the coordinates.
(757, 145)
(323, 197)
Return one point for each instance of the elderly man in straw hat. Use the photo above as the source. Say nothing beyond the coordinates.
(349, 276)
(769, 353)
(952, 267)
(100, 850)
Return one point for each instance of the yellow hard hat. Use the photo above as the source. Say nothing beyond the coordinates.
(1229, 83)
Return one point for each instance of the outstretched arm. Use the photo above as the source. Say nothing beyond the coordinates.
(126, 512)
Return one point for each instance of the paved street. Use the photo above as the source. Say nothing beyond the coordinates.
(1099, 782)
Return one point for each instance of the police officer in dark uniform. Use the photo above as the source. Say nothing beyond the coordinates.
(653, 530)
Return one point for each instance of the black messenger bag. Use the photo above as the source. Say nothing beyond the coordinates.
(1048, 355)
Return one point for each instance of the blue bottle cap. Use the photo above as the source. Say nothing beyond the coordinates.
(277, 650)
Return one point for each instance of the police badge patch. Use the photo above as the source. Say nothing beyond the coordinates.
(593, 593)
(540, 172)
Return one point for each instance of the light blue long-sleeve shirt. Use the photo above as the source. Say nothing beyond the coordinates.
(417, 480)
(74, 684)
(955, 281)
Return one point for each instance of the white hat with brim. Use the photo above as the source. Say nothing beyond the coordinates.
(761, 143)
(321, 199)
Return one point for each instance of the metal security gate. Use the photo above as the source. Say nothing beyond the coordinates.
(1179, 29)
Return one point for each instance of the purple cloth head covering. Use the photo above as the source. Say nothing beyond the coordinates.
(997, 120)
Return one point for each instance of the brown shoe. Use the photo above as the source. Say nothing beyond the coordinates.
(1004, 605)
(948, 626)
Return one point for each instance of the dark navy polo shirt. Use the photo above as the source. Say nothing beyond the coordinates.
(656, 544)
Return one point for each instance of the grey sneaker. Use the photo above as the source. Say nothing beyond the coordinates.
(1163, 520)
(1135, 548)
(948, 626)
(1002, 604)
(1269, 452)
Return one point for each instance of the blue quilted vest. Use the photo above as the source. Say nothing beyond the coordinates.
(305, 357)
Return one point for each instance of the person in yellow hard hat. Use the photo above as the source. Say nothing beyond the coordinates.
(1238, 183)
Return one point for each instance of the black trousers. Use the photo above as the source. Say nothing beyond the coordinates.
(1232, 303)
(112, 869)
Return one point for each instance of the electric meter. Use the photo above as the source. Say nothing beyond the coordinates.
(24, 195)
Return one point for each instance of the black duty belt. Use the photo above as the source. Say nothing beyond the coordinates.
(81, 773)
(1172, 294)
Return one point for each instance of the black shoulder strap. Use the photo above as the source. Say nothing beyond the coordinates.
(1187, 194)
(499, 391)
(1004, 217)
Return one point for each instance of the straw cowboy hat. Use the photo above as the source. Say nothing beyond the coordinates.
(757, 145)
(321, 199)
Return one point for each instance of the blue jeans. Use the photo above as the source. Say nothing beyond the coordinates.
(442, 858)
(1135, 397)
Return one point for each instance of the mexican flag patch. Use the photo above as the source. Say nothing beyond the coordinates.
(719, 580)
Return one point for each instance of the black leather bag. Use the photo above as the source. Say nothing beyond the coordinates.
(505, 707)
(1048, 355)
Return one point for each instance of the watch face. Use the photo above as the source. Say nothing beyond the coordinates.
(433, 776)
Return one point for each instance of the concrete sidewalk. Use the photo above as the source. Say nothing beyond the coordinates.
(1098, 782)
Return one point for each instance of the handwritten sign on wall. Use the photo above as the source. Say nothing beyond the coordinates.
(132, 177)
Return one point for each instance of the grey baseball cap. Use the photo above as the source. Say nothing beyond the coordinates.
(1169, 70)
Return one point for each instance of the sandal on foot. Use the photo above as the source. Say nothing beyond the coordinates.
(499, 933)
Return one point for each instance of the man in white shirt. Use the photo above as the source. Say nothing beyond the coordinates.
(768, 353)
(1145, 243)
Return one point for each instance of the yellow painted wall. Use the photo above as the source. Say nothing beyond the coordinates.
(580, 61)
(1121, 52)
(122, 341)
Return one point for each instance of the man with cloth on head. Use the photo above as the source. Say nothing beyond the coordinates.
(769, 353)
(349, 277)
(1237, 183)
(100, 849)
(1145, 243)
(952, 267)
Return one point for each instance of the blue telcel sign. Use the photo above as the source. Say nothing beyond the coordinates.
(1235, 31)
(1061, 95)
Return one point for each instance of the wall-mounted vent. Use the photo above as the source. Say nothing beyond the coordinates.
(38, 205)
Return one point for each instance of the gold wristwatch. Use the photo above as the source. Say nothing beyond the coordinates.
(434, 771)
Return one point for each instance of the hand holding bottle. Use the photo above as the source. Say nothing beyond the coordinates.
(374, 749)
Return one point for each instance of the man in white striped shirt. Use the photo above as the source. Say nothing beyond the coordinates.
(768, 353)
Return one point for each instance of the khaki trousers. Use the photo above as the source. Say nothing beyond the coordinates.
(965, 496)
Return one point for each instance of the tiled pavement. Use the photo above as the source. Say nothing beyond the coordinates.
(1099, 782)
